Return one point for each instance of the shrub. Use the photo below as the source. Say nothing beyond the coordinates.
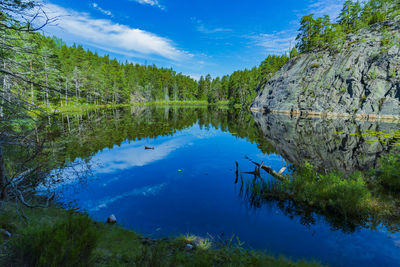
(67, 243)
(389, 172)
(335, 191)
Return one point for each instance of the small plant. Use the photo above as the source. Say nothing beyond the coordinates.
(315, 65)
(373, 74)
(392, 73)
(204, 244)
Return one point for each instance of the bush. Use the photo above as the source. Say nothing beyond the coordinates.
(389, 172)
(67, 243)
(345, 194)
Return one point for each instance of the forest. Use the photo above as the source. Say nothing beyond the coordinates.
(82, 76)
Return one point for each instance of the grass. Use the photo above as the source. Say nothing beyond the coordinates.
(79, 107)
(57, 237)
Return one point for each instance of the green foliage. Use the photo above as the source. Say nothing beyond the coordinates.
(294, 52)
(389, 172)
(321, 33)
(347, 195)
(67, 243)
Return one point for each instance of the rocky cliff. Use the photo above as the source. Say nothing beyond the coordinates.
(330, 144)
(361, 79)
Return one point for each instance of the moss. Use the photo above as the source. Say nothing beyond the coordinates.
(373, 74)
(392, 73)
(315, 65)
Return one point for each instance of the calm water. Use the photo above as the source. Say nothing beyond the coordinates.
(187, 183)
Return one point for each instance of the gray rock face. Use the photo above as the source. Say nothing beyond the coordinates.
(330, 144)
(362, 78)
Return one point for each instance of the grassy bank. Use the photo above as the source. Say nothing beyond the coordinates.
(79, 107)
(57, 237)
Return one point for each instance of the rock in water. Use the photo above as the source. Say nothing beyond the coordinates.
(359, 77)
(112, 219)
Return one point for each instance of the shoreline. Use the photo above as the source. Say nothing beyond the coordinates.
(82, 107)
(330, 115)
(115, 245)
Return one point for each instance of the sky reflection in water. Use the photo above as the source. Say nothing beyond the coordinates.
(186, 185)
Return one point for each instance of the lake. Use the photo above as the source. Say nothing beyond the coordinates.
(186, 182)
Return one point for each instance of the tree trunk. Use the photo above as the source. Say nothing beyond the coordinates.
(32, 92)
(66, 92)
(46, 83)
(3, 177)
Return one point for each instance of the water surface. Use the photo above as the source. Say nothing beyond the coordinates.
(186, 184)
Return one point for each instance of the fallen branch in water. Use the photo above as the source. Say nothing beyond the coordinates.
(269, 170)
(283, 169)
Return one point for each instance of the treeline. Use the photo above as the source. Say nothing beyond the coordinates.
(322, 33)
(56, 74)
(239, 88)
(59, 75)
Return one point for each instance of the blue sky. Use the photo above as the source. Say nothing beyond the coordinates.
(191, 36)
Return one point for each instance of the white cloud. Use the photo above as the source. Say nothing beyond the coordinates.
(105, 12)
(154, 3)
(279, 42)
(203, 29)
(147, 191)
(134, 155)
(325, 7)
(276, 42)
(111, 36)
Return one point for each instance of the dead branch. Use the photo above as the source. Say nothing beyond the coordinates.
(277, 175)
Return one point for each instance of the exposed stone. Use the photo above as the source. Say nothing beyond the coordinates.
(112, 219)
(330, 144)
(363, 78)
